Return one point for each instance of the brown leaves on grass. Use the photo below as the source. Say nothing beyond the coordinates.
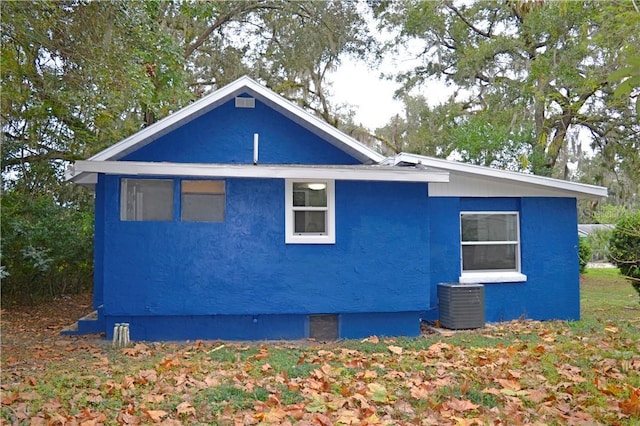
(631, 406)
(514, 373)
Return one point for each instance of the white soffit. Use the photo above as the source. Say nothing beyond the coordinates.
(83, 172)
(468, 180)
(242, 85)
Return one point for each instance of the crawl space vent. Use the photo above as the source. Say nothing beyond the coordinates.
(242, 102)
(461, 305)
(323, 327)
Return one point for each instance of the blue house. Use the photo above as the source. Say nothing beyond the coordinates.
(242, 216)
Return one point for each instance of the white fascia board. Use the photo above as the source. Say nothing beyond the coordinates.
(472, 169)
(222, 95)
(170, 122)
(81, 169)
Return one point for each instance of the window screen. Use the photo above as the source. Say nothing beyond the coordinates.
(490, 242)
(203, 200)
(146, 200)
(310, 207)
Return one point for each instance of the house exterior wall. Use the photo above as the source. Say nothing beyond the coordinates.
(238, 279)
(549, 256)
(98, 243)
(225, 135)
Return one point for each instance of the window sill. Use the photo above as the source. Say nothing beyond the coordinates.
(491, 277)
(310, 239)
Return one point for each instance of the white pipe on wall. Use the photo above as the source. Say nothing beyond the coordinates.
(255, 148)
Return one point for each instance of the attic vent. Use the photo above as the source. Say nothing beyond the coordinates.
(245, 102)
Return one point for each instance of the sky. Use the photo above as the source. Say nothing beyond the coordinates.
(372, 96)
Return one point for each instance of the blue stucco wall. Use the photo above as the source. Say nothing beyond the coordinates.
(225, 135)
(98, 243)
(239, 280)
(242, 268)
(549, 247)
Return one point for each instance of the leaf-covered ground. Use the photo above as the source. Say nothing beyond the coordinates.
(522, 372)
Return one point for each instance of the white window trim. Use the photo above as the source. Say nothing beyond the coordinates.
(488, 277)
(491, 277)
(290, 236)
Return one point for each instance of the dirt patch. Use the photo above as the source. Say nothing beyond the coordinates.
(31, 334)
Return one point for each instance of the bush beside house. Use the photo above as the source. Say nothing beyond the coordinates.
(624, 247)
(584, 252)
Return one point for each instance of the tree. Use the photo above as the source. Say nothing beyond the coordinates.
(71, 77)
(538, 72)
(80, 76)
(424, 130)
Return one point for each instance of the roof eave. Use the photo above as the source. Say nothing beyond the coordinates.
(83, 172)
(580, 190)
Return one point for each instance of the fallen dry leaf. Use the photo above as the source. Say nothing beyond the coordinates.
(460, 405)
(185, 408)
(631, 406)
(395, 349)
(371, 339)
(156, 415)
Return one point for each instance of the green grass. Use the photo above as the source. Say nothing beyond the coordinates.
(607, 295)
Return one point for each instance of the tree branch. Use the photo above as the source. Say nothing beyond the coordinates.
(35, 158)
(244, 8)
(468, 23)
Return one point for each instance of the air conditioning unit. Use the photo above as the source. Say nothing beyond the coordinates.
(461, 305)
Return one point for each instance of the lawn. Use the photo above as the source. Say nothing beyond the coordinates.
(521, 372)
(607, 294)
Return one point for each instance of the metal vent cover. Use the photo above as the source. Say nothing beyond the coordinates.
(244, 102)
(323, 327)
(461, 305)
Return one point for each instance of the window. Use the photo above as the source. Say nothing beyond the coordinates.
(146, 199)
(310, 212)
(202, 200)
(490, 247)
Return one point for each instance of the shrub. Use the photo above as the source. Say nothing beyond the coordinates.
(599, 242)
(624, 247)
(584, 253)
(47, 248)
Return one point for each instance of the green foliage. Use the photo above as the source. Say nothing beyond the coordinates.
(47, 248)
(608, 213)
(598, 240)
(481, 140)
(533, 81)
(78, 77)
(423, 130)
(624, 247)
(584, 253)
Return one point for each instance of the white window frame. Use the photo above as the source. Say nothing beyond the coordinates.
(492, 276)
(291, 237)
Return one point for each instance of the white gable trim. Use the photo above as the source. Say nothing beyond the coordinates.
(222, 95)
(81, 170)
(468, 180)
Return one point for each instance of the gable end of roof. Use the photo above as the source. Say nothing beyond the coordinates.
(242, 85)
